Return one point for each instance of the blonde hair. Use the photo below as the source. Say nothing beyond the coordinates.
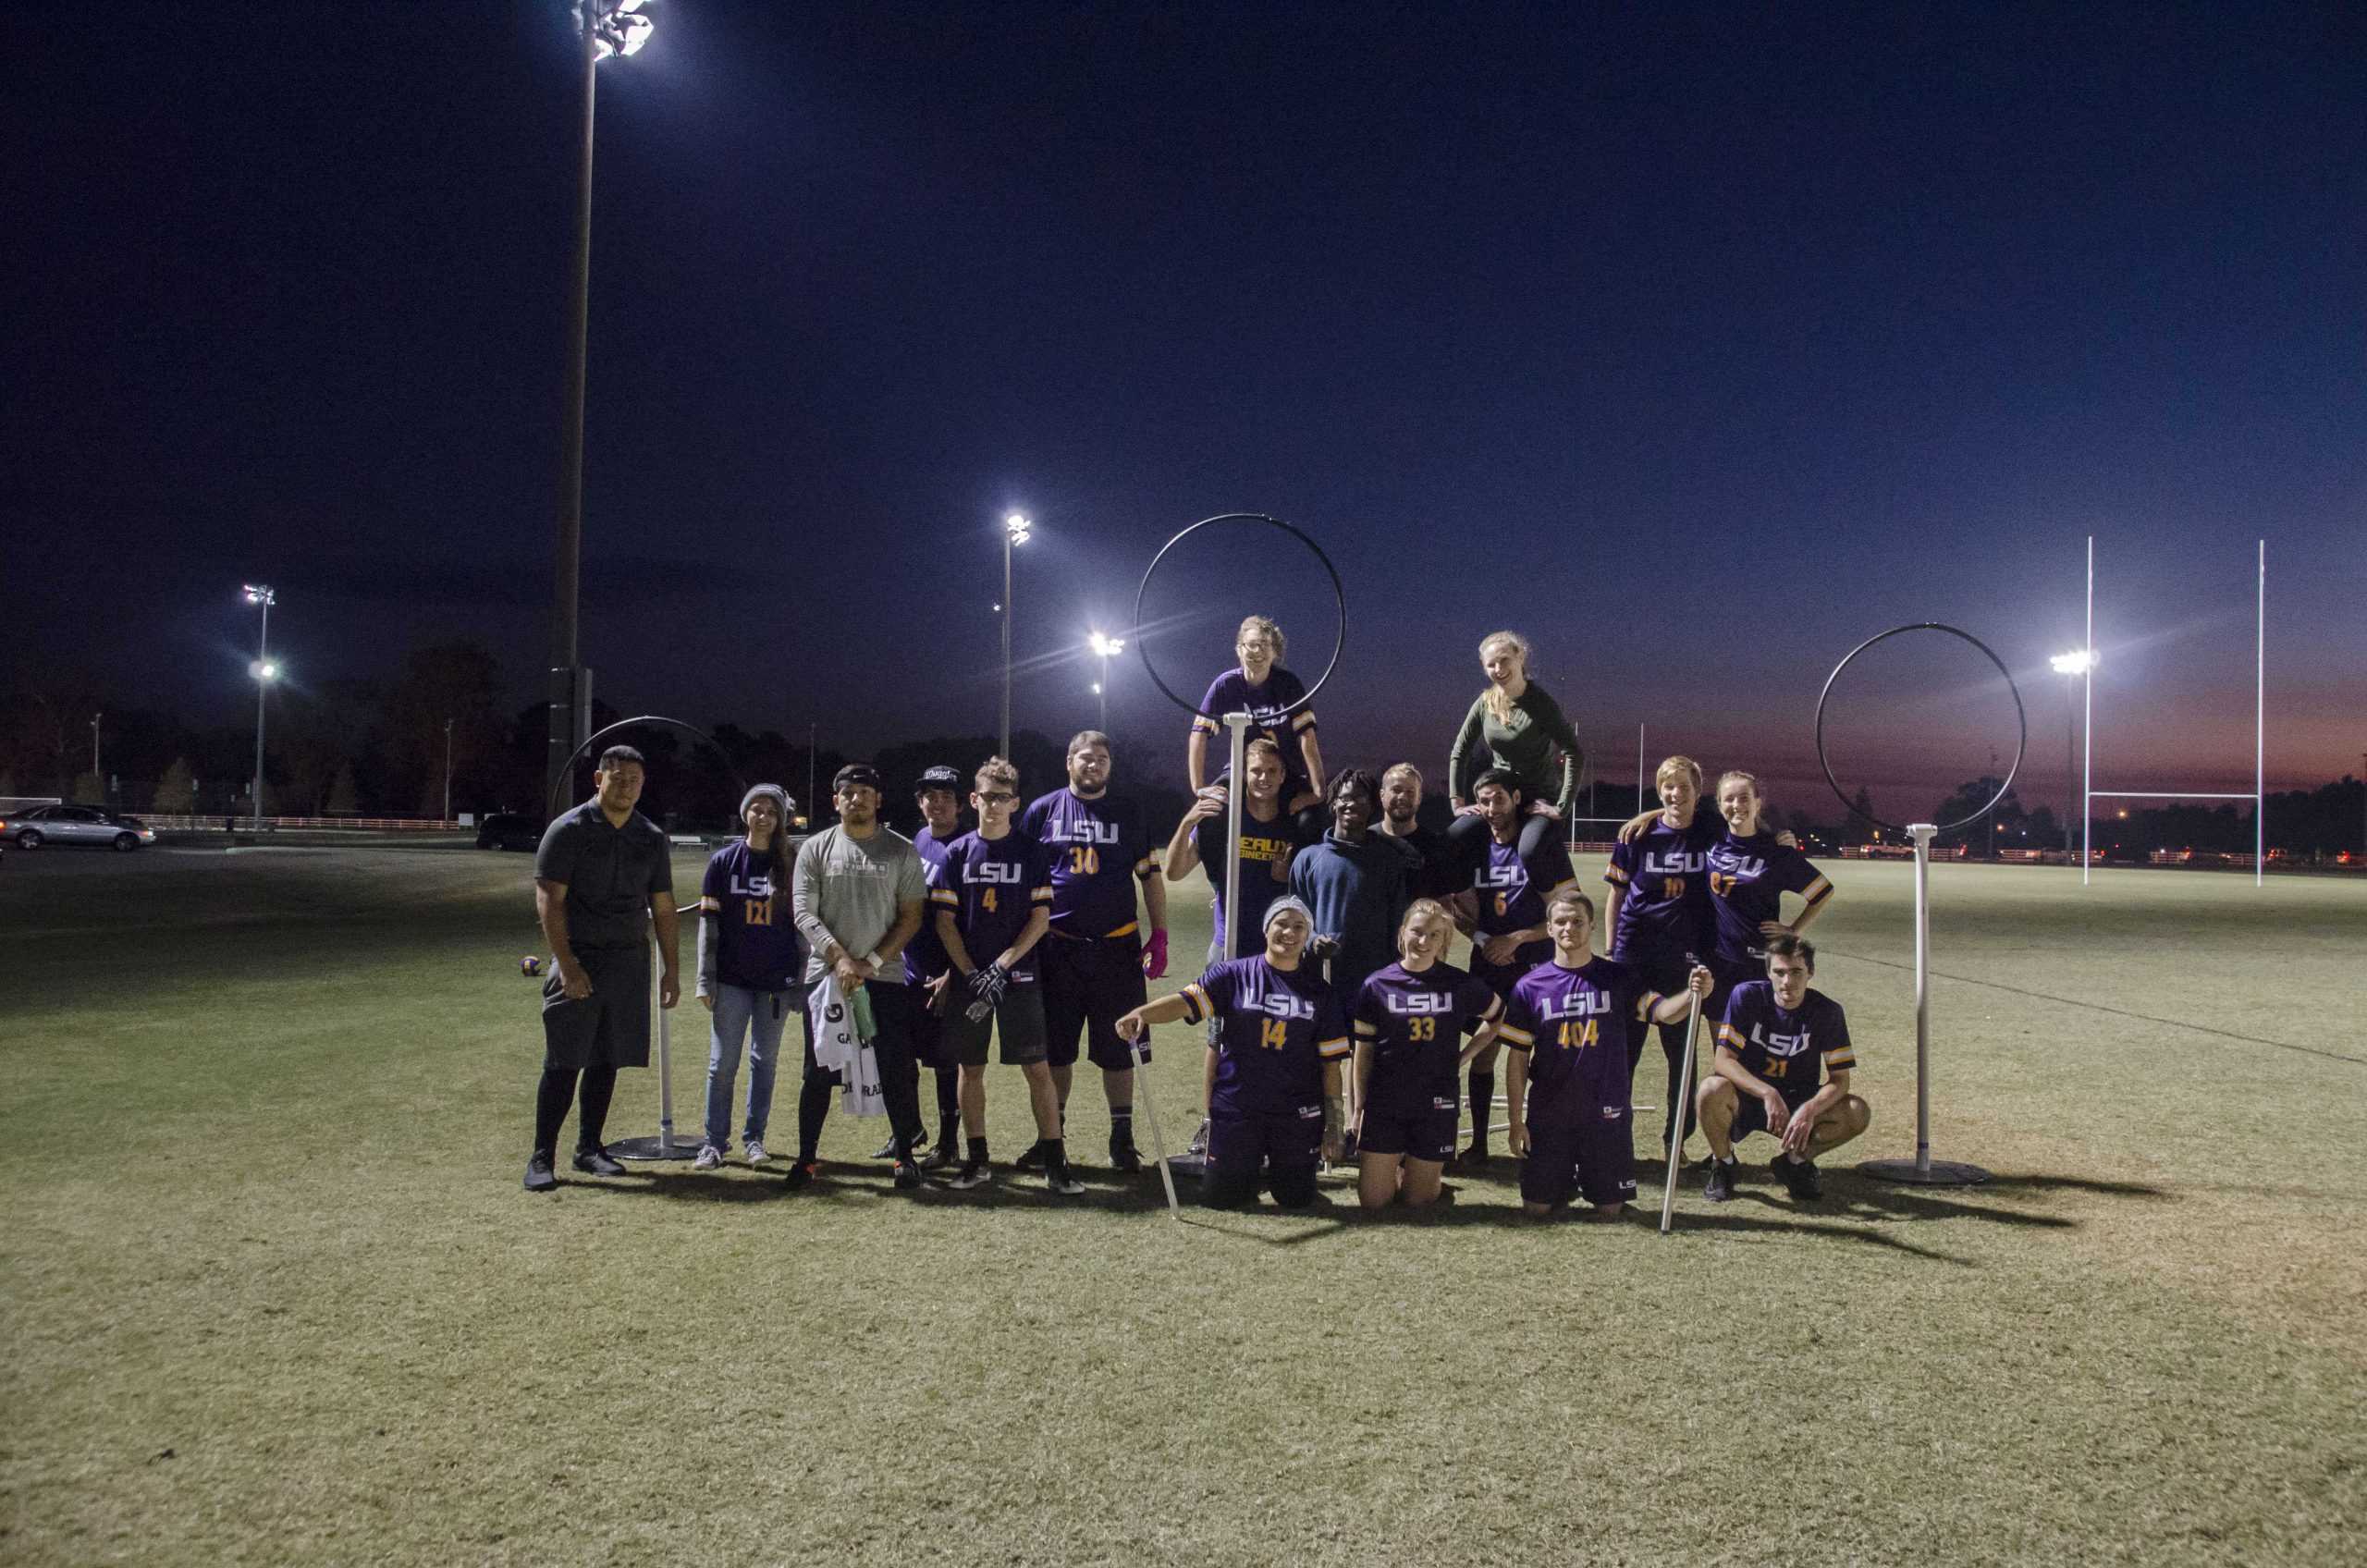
(1750, 778)
(1421, 909)
(1262, 743)
(1500, 707)
(995, 771)
(1403, 770)
(1273, 633)
(1683, 766)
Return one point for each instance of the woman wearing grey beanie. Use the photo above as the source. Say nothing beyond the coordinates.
(751, 959)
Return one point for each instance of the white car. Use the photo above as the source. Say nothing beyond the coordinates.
(76, 824)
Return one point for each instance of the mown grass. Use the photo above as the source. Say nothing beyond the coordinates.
(270, 1293)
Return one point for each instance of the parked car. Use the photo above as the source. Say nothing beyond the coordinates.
(76, 824)
(509, 830)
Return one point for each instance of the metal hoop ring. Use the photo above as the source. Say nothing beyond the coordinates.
(550, 807)
(1339, 601)
(2021, 717)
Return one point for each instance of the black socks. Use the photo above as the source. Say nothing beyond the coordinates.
(1483, 1107)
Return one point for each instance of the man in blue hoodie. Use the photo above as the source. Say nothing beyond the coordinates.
(1358, 883)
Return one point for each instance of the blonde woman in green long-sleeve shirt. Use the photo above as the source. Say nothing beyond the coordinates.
(1514, 725)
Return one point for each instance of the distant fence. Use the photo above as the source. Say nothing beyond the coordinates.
(217, 822)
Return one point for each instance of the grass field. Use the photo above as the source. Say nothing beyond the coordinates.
(272, 1293)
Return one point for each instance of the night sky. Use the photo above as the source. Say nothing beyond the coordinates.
(1696, 342)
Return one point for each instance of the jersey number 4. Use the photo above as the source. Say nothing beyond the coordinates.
(987, 899)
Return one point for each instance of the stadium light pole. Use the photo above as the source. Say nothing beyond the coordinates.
(608, 28)
(264, 673)
(447, 770)
(1104, 647)
(1016, 530)
(2070, 666)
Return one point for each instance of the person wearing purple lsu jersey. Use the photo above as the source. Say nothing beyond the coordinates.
(1749, 871)
(1094, 958)
(1261, 688)
(1567, 1022)
(993, 894)
(1659, 911)
(1409, 1022)
(752, 968)
(940, 799)
(1776, 1035)
(1273, 1079)
(1503, 914)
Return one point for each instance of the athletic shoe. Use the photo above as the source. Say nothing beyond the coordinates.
(1199, 1146)
(1033, 1159)
(1123, 1156)
(975, 1172)
(1057, 1179)
(908, 1173)
(1473, 1159)
(1720, 1187)
(1800, 1179)
(1348, 1146)
(756, 1152)
(939, 1156)
(885, 1150)
(801, 1174)
(710, 1158)
(540, 1178)
(595, 1162)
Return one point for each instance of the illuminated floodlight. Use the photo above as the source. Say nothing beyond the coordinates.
(1017, 527)
(257, 594)
(1106, 648)
(2078, 661)
(265, 670)
(618, 26)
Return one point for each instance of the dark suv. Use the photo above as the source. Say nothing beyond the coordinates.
(509, 830)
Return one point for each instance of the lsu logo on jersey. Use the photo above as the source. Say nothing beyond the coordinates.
(1672, 863)
(752, 887)
(998, 871)
(1512, 875)
(1735, 868)
(1282, 1004)
(1418, 1003)
(1579, 1004)
(1080, 830)
(1779, 1045)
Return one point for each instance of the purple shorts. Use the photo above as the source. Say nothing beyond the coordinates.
(1427, 1135)
(1088, 985)
(1597, 1158)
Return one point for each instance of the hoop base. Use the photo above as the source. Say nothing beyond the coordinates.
(1939, 1173)
(653, 1148)
(1192, 1165)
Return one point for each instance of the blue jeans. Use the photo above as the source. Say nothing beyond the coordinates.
(758, 1017)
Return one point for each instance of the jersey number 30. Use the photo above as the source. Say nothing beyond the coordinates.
(1084, 860)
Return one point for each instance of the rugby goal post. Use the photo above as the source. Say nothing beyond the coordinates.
(2089, 794)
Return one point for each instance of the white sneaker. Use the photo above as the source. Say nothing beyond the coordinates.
(756, 1154)
(710, 1158)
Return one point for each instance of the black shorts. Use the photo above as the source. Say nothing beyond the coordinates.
(1426, 1135)
(1597, 1158)
(930, 1046)
(1017, 1021)
(609, 1028)
(1088, 985)
(1751, 1116)
(1281, 1152)
(1726, 974)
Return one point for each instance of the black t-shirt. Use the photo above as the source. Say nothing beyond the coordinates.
(610, 873)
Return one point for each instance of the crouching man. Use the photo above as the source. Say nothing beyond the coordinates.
(1778, 1034)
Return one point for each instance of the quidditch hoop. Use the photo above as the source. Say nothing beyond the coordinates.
(2022, 720)
(566, 775)
(1338, 600)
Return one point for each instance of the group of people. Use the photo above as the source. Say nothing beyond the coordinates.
(1340, 1032)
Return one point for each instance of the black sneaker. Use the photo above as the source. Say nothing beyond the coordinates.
(1057, 1179)
(1348, 1146)
(885, 1151)
(540, 1178)
(1720, 1187)
(939, 1156)
(975, 1172)
(1199, 1148)
(1800, 1179)
(908, 1173)
(595, 1162)
(800, 1174)
(1473, 1159)
(1033, 1159)
(1123, 1156)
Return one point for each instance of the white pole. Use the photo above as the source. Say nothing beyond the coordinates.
(1677, 1144)
(1922, 833)
(665, 1062)
(1157, 1144)
(2259, 723)
(262, 685)
(2088, 722)
(1237, 749)
(1639, 766)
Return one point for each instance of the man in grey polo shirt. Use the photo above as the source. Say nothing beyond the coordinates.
(857, 894)
(603, 872)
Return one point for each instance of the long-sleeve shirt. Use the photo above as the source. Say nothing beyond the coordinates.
(848, 891)
(1358, 892)
(1524, 745)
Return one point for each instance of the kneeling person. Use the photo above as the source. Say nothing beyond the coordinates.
(1410, 1018)
(992, 894)
(1567, 1022)
(1273, 1079)
(1777, 1031)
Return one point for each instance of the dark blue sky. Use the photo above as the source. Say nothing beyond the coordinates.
(1696, 342)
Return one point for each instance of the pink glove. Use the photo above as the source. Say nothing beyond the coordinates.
(1155, 956)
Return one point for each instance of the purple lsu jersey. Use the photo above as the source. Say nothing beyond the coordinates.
(1268, 707)
(1572, 1025)
(991, 885)
(1279, 1028)
(1512, 891)
(925, 956)
(759, 950)
(1663, 875)
(1096, 850)
(1415, 1024)
(1748, 880)
(1785, 1049)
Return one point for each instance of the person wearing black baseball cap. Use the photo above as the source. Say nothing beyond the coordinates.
(857, 896)
(938, 796)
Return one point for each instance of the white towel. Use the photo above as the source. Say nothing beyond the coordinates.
(840, 1050)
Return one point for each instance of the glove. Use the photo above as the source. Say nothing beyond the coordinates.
(1155, 956)
(986, 990)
